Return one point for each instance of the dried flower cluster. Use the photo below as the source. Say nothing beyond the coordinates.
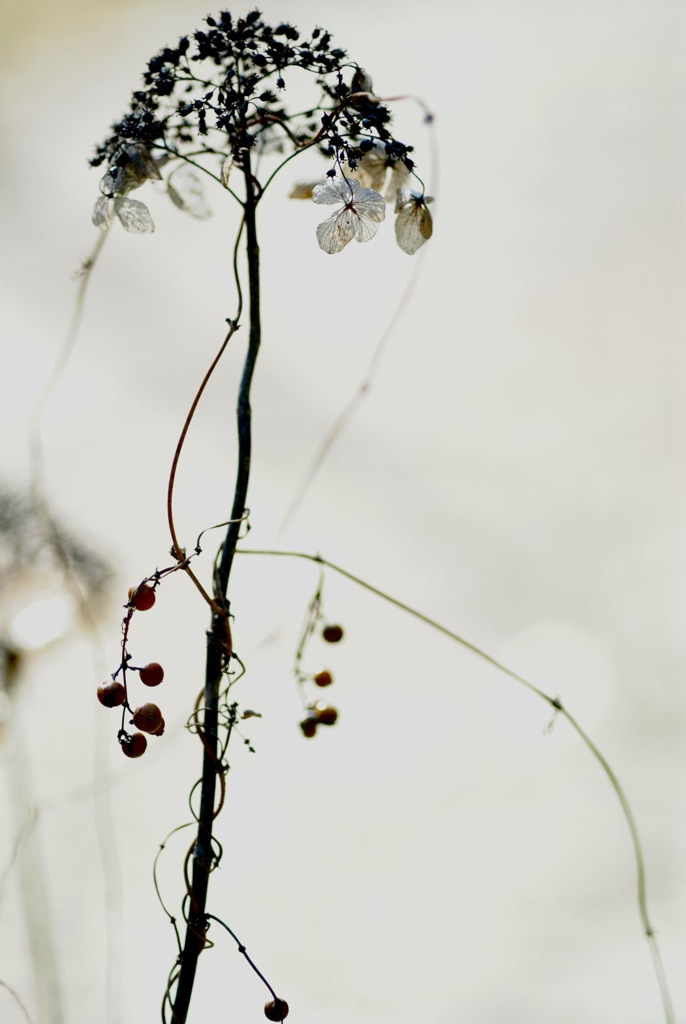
(214, 106)
(215, 98)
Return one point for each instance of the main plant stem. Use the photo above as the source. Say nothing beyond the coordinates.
(219, 649)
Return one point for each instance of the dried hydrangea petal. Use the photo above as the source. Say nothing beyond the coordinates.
(335, 191)
(141, 163)
(366, 201)
(413, 224)
(133, 168)
(362, 212)
(135, 216)
(186, 191)
(225, 173)
(397, 181)
(370, 205)
(102, 213)
(372, 168)
(375, 165)
(334, 233)
(303, 190)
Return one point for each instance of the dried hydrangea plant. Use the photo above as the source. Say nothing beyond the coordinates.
(214, 107)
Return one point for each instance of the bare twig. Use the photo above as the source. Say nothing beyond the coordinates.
(17, 1000)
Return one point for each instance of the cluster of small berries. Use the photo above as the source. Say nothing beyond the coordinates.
(147, 718)
(319, 712)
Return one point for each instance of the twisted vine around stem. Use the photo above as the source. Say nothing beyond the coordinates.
(219, 647)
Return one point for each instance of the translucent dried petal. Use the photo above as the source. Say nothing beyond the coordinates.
(366, 227)
(134, 216)
(227, 167)
(111, 182)
(334, 233)
(133, 168)
(413, 224)
(397, 181)
(371, 170)
(302, 190)
(141, 163)
(186, 191)
(370, 205)
(102, 212)
(362, 212)
(362, 81)
(333, 191)
(373, 167)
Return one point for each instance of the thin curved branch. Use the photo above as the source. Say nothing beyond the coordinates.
(8, 988)
(555, 703)
(177, 550)
(243, 951)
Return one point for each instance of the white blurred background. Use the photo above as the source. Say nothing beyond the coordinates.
(516, 473)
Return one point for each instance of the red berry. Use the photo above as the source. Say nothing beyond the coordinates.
(134, 745)
(142, 598)
(112, 695)
(159, 730)
(147, 717)
(332, 634)
(276, 1010)
(151, 674)
(324, 713)
(309, 726)
(323, 678)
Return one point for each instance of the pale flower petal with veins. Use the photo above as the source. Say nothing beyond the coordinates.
(303, 189)
(186, 191)
(134, 216)
(362, 212)
(102, 212)
(413, 224)
(132, 169)
(134, 166)
(373, 167)
(227, 167)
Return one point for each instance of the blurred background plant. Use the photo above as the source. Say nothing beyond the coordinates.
(46, 579)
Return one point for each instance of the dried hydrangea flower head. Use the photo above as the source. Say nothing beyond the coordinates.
(214, 103)
(362, 211)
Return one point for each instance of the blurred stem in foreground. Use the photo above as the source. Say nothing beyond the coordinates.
(32, 885)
